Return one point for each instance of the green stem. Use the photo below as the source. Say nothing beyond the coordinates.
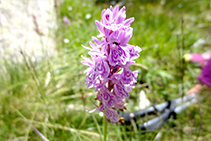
(105, 123)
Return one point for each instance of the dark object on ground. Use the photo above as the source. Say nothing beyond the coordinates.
(165, 110)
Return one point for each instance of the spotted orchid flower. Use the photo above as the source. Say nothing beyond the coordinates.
(111, 56)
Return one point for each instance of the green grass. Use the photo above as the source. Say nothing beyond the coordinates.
(57, 108)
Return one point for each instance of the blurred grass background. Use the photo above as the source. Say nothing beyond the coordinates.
(52, 96)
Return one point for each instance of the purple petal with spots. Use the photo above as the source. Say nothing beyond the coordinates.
(117, 56)
(121, 17)
(101, 70)
(97, 55)
(119, 103)
(90, 79)
(121, 36)
(128, 77)
(106, 97)
(112, 115)
(97, 41)
(126, 35)
(134, 50)
(87, 61)
(106, 17)
(94, 46)
(120, 91)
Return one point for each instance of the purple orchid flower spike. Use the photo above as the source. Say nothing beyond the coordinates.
(111, 56)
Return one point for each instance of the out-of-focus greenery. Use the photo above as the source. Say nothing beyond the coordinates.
(52, 96)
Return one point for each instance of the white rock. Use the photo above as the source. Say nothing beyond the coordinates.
(143, 100)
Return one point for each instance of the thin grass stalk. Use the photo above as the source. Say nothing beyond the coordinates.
(30, 70)
(182, 60)
(105, 124)
(119, 134)
(33, 117)
(35, 129)
(47, 58)
(40, 33)
(201, 120)
(84, 120)
(37, 83)
(33, 68)
(98, 127)
(73, 130)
